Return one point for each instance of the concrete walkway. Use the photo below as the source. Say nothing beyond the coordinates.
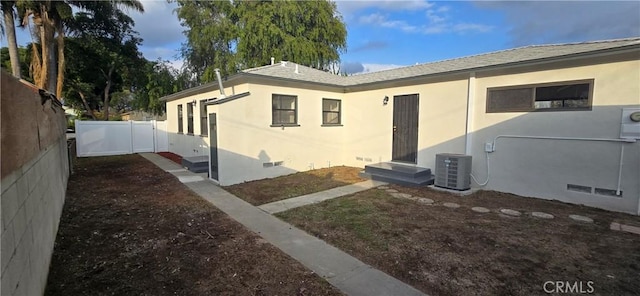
(350, 275)
(303, 200)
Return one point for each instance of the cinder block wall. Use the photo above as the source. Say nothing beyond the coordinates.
(34, 170)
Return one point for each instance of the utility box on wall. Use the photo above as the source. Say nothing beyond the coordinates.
(630, 125)
(453, 171)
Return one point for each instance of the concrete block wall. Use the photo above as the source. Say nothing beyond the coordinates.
(32, 200)
(33, 179)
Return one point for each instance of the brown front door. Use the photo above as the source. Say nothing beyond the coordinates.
(405, 128)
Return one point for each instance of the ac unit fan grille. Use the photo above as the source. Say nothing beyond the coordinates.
(453, 171)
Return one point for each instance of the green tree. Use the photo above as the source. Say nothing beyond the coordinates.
(23, 62)
(211, 37)
(105, 60)
(306, 32)
(233, 35)
(159, 80)
(50, 18)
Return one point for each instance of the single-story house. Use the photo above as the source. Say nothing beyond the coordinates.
(550, 121)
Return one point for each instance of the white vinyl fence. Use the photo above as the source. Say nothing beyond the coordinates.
(102, 138)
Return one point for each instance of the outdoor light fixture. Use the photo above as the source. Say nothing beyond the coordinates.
(385, 101)
(194, 102)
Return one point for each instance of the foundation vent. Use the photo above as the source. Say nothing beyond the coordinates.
(579, 188)
(607, 192)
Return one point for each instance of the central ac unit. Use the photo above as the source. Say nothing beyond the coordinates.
(453, 171)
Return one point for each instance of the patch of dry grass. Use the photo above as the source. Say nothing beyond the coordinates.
(444, 251)
(269, 190)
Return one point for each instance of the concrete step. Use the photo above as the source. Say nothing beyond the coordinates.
(399, 174)
(393, 169)
(196, 164)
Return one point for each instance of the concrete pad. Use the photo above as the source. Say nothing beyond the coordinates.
(454, 192)
(291, 203)
(392, 191)
(509, 212)
(630, 229)
(383, 187)
(176, 171)
(542, 215)
(452, 205)
(581, 218)
(424, 200)
(164, 163)
(188, 179)
(480, 210)
(614, 226)
(401, 195)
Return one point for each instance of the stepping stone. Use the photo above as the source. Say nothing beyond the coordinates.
(480, 210)
(581, 218)
(424, 200)
(401, 195)
(383, 187)
(392, 191)
(542, 215)
(510, 212)
(452, 205)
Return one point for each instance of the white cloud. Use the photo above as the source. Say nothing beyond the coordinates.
(163, 52)
(369, 68)
(177, 64)
(464, 27)
(158, 24)
(380, 20)
(356, 68)
(435, 23)
(434, 18)
(374, 18)
(348, 7)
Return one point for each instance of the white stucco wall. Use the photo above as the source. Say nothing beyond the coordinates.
(369, 123)
(529, 167)
(543, 167)
(246, 139)
(195, 144)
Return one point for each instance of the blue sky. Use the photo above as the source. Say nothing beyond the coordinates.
(387, 34)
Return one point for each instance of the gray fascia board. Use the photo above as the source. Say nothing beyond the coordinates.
(209, 86)
(227, 99)
(319, 85)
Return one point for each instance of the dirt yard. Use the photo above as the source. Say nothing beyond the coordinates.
(129, 228)
(456, 251)
(268, 190)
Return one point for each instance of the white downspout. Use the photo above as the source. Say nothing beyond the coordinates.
(471, 95)
(620, 169)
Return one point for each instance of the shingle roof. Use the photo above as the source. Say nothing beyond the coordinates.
(527, 54)
(503, 58)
